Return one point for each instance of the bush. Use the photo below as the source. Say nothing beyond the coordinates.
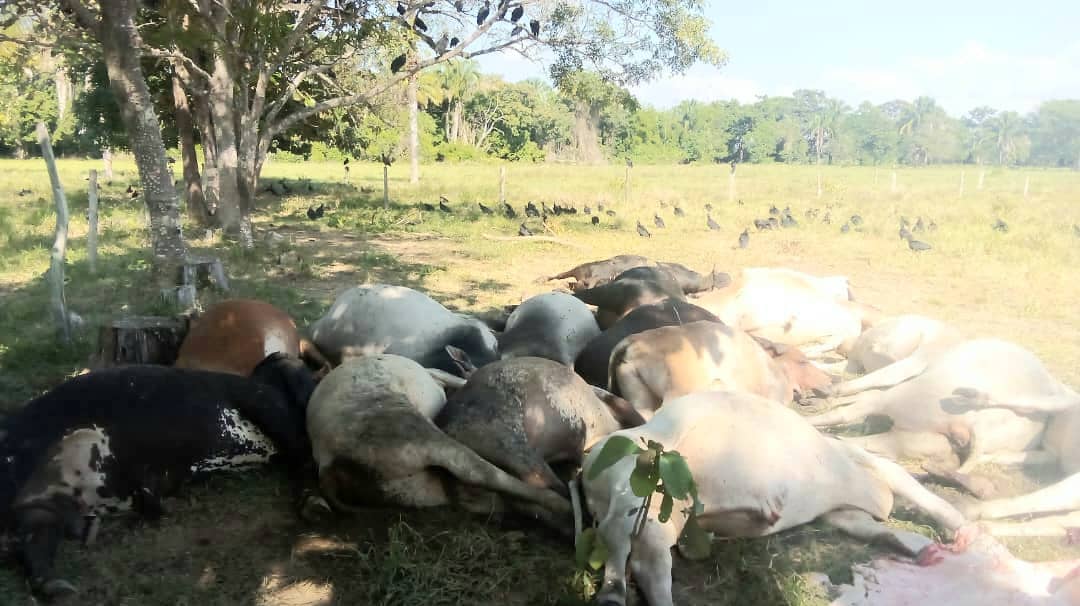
(457, 152)
(321, 152)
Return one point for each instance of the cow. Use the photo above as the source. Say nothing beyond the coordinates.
(931, 421)
(555, 325)
(374, 443)
(629, 290)
(120, 439)
(594, 273)
(592, 362)
(759, 469)
(235, 335)
(527, 414)
(657, 365)
(1057, 505)
(692, 282)
(793, 308)
(380, 318)
(890, 341)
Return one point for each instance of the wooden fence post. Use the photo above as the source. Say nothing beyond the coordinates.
(502, 184)
(982, 175)
(106, 159)
(1027, 182)
(59, 249)
(385, 186)
(626, 187)
(92, 219)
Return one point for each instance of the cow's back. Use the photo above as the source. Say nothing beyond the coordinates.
(234, 336)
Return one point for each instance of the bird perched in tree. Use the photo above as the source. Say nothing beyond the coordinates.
(595, 220)
(454, 41)
(1001, 226)
(713, 225)
(845, 228)
(485, 210)
(658, 221)
(441, 45)
(679, 212)
(459, 5)
(518, 12)
(397, 64)
(315, 213)
(419, 24)
(856, 220)
(641, 231)
(918, 245)
(534, 27)
(744, 238)
(774, 211)
(400, 8)
(524, 231)
(509, 211)
(483, 14)
(444, 207)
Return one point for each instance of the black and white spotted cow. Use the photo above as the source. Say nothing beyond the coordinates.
(120, 439)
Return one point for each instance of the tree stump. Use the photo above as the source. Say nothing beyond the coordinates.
(141, 340)
(203, 272)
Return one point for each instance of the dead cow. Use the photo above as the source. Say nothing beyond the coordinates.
(554, 325)
(370, 422)
(793, 308)
(594, 273)
(527, 414)
(657, 365)
(891, 340)
(628, 291)
(931, 421)
(759, 469)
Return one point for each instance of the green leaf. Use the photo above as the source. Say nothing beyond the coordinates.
(694, 542)
(591, 552)
(613, 450)
(643, 483)
(665, 508)
(678, 481)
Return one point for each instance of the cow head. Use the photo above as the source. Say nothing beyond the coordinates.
(288, 375)
(802, 375)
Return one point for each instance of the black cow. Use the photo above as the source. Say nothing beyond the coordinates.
(629, 290)
(120, 439)
(592, 362)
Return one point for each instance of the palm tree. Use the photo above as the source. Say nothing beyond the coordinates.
(1008, 129)
(918, 117)
(458, 80)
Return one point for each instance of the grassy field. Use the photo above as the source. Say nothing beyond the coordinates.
(235, 541)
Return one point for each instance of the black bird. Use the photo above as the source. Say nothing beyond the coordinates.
(345, 163)
(518, 12)
(713, 225)
(708, 206)
(397, 64)
(400, 8)
(1001, 226)
(459, 5)
(679, 212)
(917, 245)
(761, 224)
(744, 238)
(524, 231)
(441, 45)
(595, 220)
(904, 233)
(531, 210)
(134, 194)
(315, 213)
(845, 228)
(786, 220)
(774, 223)
(443, 207)
(419, 24)
(509, 211)
(641, 231)
(856, 220)
(485, 210)
(517, 30)
(658, 221)
(310, 186)
(609, 212)
(919, 226)
(129, 189)
(483, 14)
(534, 27)
(588, 211)
(454, 41)
(25, 192)
(428, 207)
(774, 211)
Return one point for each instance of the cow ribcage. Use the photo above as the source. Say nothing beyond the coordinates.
(240, 445)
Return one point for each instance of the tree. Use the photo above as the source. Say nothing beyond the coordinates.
(588, 95)
(1009, 137)
(1056, 133)
(459, 80)
(27, 89)
(980, 134)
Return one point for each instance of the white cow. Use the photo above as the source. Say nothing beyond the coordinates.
(760, 469)
(792, 308)
(896, 338)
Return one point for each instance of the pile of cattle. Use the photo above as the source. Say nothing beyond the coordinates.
(392, 400)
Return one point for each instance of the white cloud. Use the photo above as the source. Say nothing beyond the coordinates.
(700, 83)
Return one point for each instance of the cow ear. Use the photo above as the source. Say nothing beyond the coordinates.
(775, 349)
(461, 359)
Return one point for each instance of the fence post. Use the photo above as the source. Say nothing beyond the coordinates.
(502, 184)
(626, 187)
(386, 186)
(1027, 182)
(982, 175)
(92, 219)
(59, 249)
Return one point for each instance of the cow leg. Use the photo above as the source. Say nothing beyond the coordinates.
(896, 445)
(650, 562)
(884, 377)
(862, 525)
(1061, 497)
(864, 406)
(39, 528)
(1018, 459)
(1050, 526)
(634, 389)
(615, 530)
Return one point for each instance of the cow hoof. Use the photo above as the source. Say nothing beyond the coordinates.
(316, 510)
(56, 589)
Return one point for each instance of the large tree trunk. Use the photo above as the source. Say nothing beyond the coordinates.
(231, 208)
(414, 129)
(193, 192)
(128, 85)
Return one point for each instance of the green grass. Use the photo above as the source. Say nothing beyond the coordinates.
(235, 541)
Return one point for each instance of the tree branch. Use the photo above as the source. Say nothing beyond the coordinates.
(40, 44)
(84, 17)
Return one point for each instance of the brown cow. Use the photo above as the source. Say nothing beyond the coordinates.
(233, 336)
(663, 363)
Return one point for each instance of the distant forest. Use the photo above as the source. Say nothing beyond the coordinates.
(468, 115)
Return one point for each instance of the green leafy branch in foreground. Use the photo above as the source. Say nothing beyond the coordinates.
(657, 472)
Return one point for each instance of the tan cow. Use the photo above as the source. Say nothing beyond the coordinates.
(759, 469)
(793, 308)
(657, 365)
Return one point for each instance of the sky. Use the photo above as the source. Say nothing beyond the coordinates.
(1008, 55)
